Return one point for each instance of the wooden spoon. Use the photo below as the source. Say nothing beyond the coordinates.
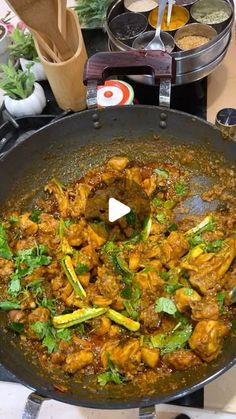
(62, 17)
(41, 15)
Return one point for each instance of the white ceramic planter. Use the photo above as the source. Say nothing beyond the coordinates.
(32, 105)
(37, 69)
(4, 42)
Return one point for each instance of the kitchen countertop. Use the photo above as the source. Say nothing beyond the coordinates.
(220, 394)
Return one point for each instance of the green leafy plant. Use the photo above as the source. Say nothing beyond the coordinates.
(92, 13)
(17, 84)
(23, 45)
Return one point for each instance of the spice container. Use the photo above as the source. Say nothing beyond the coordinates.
(143, 40)
(193, 36)
(127, 26)
(140, 6)
(114, 93)
(226, 122)
(185, 3)
(213, 12)
(180, 16)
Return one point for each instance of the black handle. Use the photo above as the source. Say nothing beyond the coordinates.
(159, 64)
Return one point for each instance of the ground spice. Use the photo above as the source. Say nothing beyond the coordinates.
(179, 18)
(192, 41)
(212, 17)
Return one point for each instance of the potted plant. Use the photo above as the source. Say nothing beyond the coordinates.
(4, 43)
(23, 97)
(23, 48)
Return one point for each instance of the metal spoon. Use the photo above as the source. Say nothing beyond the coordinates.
(156, 43)
(170, 7)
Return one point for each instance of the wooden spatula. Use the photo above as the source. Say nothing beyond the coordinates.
(62, 17)
(41, 15)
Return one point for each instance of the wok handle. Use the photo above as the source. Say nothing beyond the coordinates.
(33, 406)
(100, 66)
(147, 412)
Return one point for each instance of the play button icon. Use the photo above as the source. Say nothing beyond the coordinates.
(117, 210)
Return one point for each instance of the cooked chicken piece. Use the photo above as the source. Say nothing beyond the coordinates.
(207, 270)
(149, 185)
(150, 357)
(78, 205)
(184, 297)
(134, 259)
(108, 284)
(88, 256)
(54, 187)
(84, 279)
(172, 249)
(58, 358)
(27, 226)
(6, 269)
(149, 317)
(134, 174)
(118, 163)
(97, 235)
(40, 314)
(48, 224)
(149, 282)
(26, 243)
(126, 356)
(75, 233)
(207, 338)
(181, 360)
(78, 360)
(101, 301)
(100, 326)
(206, 309)
(17, 316)
(57, 283)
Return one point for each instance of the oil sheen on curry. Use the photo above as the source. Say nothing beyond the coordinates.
(118, 301)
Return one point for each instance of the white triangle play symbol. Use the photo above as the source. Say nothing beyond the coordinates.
(117, 210)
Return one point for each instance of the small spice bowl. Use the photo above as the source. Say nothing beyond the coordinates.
(213, 12)
(180, 17)
(194, 36)
(185, 3)
(127, 26)
(140, 6)
(143, 40)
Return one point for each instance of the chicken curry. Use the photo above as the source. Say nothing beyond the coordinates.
(115, 300)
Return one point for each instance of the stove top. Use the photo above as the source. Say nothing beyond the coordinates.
(190, 98)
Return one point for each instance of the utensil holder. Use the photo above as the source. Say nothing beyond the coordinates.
(66, 78)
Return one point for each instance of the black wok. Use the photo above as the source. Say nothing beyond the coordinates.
(66, 149)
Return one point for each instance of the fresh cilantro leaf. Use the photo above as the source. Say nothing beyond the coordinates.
(173, 227)
(162, 173)
(188, 292)
(220, 300)
(35, 215)
(165, 305)
(17, 327)
(161, 218)
(40, 329)
(233, 322)
(126, 293)
(195, 241)
(112, 375)
(180, 187)
(5, 251)
(171, 287)
(81, 268)
(170, 342)
(80, 329)
(131, 218)
(35, 286)
(164, 275)
(14, 286)
(68, 223)
(49, 303)
(157, 202)
(13, 219)
(64, 334)
(214, 246)
(9, 305)
(49, 341)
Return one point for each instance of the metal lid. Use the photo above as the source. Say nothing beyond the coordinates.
(226, 121)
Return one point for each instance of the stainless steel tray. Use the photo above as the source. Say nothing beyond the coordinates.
(190, 65)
